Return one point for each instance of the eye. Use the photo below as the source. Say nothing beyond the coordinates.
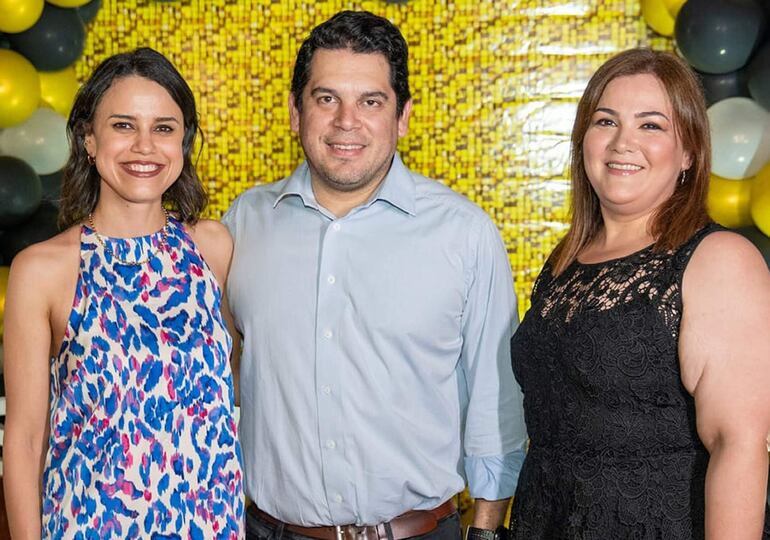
(164, 128)
(372, 103)
(122, 125)
(651, 125)
(325, 100)
(605, 122)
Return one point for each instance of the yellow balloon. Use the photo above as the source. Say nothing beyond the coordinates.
(58, 89)
(673, 6)
(68, 3)
(19, 88)
(657, 16)
(760, 200)
(728, 201)
(19, 15)
(3, 286)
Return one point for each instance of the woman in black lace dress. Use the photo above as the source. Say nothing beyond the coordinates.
(645, 357)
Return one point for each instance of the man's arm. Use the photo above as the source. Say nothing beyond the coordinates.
(495, 435)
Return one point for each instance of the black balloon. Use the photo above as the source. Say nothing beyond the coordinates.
(759, 76)
(718, 36)
(54, 42)
(756, 237)
(40, 226)
(4, 43)
(51, 184)
(87, 12)
(20, 191)
(717, 87)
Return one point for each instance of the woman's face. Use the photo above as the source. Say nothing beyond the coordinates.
(136, 140)
(631, 151)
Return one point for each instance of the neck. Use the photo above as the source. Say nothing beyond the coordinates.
(340, 203)
(127, 221)
(623, 232)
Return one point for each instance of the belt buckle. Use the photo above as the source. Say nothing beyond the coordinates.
(354, 532)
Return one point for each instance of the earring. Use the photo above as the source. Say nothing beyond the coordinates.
(682, 177)
(91, 159)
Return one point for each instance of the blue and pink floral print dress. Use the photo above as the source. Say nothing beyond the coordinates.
(143, 441)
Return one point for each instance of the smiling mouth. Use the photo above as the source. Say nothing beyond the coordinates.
(346, 147)
(137, 168)
(624, 166)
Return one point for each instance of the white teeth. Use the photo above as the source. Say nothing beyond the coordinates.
(347, 146)
(137, 167)
(624, 166)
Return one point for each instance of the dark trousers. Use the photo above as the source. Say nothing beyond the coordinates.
(258, 529)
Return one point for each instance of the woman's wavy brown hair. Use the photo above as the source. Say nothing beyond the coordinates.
(80, 179)
(685, 211)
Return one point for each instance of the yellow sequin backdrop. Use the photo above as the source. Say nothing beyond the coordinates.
(495, 87)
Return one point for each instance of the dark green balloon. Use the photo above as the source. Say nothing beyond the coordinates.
(51, 184)
(4, 43)
(759, 76)
(87, 12)
(717, 87)
(20, 191)
(756, 237)
(718, 36)
(54, 42)
(40, 226)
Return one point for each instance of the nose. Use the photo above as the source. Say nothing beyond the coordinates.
(624, 140)
(346, 117)
(143, 142)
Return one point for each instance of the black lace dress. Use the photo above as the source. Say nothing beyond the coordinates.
(614, 452)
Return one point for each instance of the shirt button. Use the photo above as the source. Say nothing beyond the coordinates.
(326, 390)
(331, 445)
(338, 498)
(336, 226)
(328, 334)
(331, 280)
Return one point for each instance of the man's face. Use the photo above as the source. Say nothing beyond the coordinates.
(348, 126)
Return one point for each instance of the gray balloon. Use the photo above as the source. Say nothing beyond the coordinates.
(20, 191)
(717, 87)
(759, 76)
(718, 36)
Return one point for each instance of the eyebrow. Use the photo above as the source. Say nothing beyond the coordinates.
(365, 95)
(157, 119)
(643, 114)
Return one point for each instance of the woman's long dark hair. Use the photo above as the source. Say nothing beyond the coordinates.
(80, 179)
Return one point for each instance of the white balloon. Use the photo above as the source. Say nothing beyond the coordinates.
(740, 137)
(41, 141)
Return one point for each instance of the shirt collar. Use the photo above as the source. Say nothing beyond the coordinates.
(397, 188)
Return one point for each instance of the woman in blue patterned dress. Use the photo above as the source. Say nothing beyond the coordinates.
(120, 416)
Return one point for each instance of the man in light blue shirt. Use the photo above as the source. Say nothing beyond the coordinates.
(376, 308)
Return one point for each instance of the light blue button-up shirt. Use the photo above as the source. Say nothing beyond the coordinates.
(376, 374)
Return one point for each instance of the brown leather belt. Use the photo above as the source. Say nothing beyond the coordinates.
(408, 524)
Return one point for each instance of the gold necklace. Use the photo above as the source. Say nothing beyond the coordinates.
(108, 249)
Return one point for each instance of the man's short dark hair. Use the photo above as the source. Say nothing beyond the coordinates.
(361, 32)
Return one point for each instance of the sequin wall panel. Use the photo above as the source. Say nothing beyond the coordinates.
(495, 86)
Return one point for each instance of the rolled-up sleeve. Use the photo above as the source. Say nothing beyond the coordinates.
(495, 436)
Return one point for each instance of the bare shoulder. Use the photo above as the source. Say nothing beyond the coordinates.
(215, 245)
(46, 269)
(727, 256)
(50, 257)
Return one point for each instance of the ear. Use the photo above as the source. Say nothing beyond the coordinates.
(89, 143)
(403, 120)
(686, 160)
(293, 114)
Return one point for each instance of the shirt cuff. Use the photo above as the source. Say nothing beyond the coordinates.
(494, 477)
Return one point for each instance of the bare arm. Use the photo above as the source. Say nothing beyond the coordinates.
(216, 246)
(27, 343)
(725, 358)
(490, 514)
